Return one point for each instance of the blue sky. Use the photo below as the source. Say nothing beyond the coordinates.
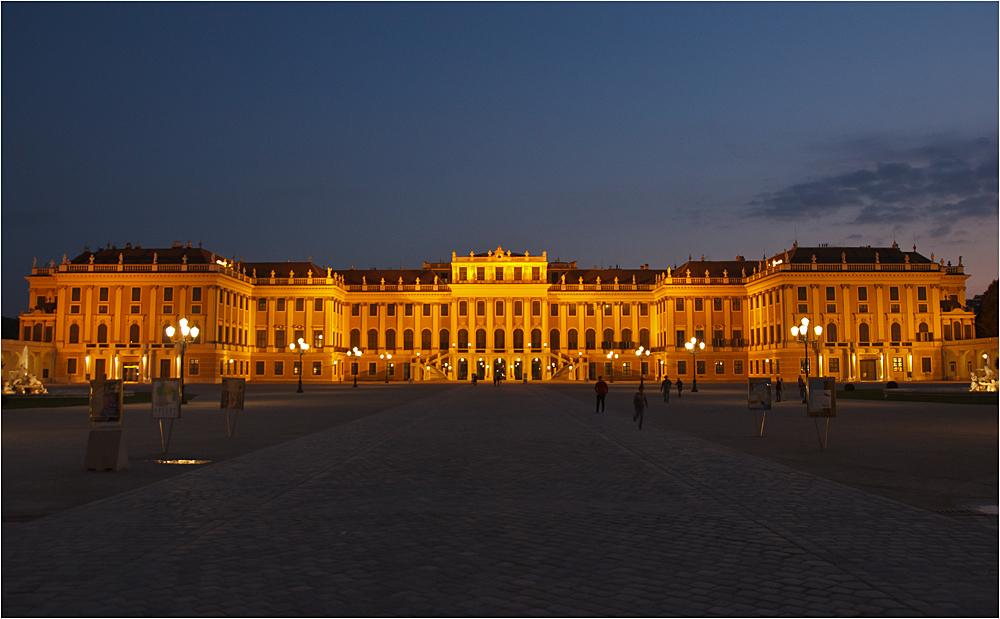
(387, 134)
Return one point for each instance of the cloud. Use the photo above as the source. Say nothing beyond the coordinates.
(943, 181)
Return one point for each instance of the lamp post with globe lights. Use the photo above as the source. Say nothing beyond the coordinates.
(355, 353)
(695, 346)
(802, 333)
(184, 336)
(387, 357)
(639, 353)
(301, 347)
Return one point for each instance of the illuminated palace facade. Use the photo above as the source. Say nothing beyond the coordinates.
(886, 314)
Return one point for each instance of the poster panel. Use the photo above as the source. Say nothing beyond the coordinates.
(166, 398)
(232, 393)
(106, 399)
(759, 394)
(822, 397)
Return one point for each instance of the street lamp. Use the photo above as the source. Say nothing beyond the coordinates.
(639, 353)
(386, 356)
(612, 355)
(301, 348)
(694, 347)
(356, 353)
(802, 333)
(185, 336)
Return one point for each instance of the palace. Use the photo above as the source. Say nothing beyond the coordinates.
(886, 314)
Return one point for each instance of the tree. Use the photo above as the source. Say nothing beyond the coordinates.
(985, 307)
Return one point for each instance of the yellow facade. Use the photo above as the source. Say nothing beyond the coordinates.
(886, 314)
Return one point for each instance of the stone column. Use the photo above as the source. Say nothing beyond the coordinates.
(116, 320)
(910, 311)
(879, 313)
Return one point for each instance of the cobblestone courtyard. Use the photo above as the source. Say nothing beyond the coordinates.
(515, 500)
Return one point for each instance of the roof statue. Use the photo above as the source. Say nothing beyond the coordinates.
(291, 272)
(906, 259)
(382, 282)
(688, 271)
(725, 272)
(328, 270)
(184, 258)
(155, 257)
(364, 280)
(64, 259)
(633, 280)
(400, 282)
(668, 272)
(744, 271)
(581, 280)
(786, 256)
(876, 258)
(309, 273)
(453, 256)
(814, 258)
(52, 263)
(562, 278)
(703, 257)
(706, 274)
(843, 257)
(616, 281)
(435, 280)
(91, 258)
(255, 272)
(932, 256)
(272, 273)
(544, 254)
(418, 281)
(959, 261)
(120, 257)
(598, 280)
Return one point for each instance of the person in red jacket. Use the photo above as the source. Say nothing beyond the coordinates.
(601, 388)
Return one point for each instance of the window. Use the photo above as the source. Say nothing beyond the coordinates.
(679, 304)
(463, 308)
(518, 339)
(444, 340)
(136, 294)
(480, 308)
(803, 308)
(518, 308)
(408, 309)
(74, 334)
(75, 295)
(426, 309)
(498, 308)
(261, 338)
(571, 339)
(590, 339)
(922, 308)
(168, 294)
(74, 309)
(279, 368)
(280, 306)
(736, 305)
(317, 305)
(681, 338)
(517, 273)
(717, 304)
(590, 309)
(102, 333)
(480, 274)
(499, 339)
(259, 368)
(317, 368)
(897, 364)
(833, 365)
(408, 339)
(372, 369)
(196, 294)
(921, 293)
(608, 309)
(296, 368)
(968, 332)
(498, 274)
(699, 304)
(862, 293)
(831, 293)
(444, 309)
(102, 295)
(608, 368)
(390, 309)
(682, 367)
(738, 336)
(894, 308)
(862, 308)
(390, 339)
(317, 338)
(536, 273)
(134, 309)
(194, 366)
(554, 339)
(261, 305)
(463, 274)
(893, 293)
(571, 309)
(644, 338)
(71, 365)
(355, 308)
(626, 309)
(831, 308)
(536, 308)
(425, 339)
(925, 364)
(863, 333)
(536, 338)
(738, 366)
(279, 338)
(720, 367)
(133, 334)
(626, 368)
(831, 333)
(372, 339)
(355, 339)
(373, 309)
(554, 309)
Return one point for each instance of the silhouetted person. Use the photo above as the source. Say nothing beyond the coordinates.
(601, 389)
(475, 379)
(802, 389)
(680, 385)
(665, 388)
(778, 388)
(640, 403)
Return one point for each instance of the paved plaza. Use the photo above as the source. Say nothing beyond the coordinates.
(517, 500)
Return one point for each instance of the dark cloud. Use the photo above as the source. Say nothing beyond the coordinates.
(943, 181)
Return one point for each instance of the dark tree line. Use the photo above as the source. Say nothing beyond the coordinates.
(985, 307)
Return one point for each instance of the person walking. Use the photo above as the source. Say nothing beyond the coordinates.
(778, 388)
(640, 403)
(679, 386)
(475, 379)
(601, 389)
(665, 388)
(802, 389)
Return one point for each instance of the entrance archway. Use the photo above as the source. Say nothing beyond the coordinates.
(481, 369)
(536, 369)
(499, 369)
(518, 370)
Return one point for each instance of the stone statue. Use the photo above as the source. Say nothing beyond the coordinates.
(155, 257)
(91, 258)
(272, 273)
(255, 272)
(328, 270)
(725, 272)
(291, 272)
(64, 259)
(364, 280)
(382, 283)
(814, 258)
(843, 257)
(906, 259)
(184, 259)
(744, 271)
(706, 272)
(876, 258)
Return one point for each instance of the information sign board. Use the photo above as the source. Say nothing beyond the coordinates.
(759, 394)
(166, 398)
(822, 397)
(232, 393)
(106, 400)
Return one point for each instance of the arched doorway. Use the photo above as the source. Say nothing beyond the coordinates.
(518, 370)
(536, 369)
(481, 369)
(499, 369)
(463, 369)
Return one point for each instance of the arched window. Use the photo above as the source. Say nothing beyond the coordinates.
(499, 308)
(924, 333)
(956, 330)
(408, 339)
(627, 337)
(518, 339)
(831, 333)
(463, 339)
(444, 339)
(644, 338)
(390, 339)
(481, 339)
(609, 338)
(425, 339)
(536, 339)
(863, 333)
(372, 339)
(74, 334)
(480, 308)
(896, 332)
(102, 333)
(355, 339)
(591, 339)
(36, 332)
(499, 340)
(571, 342)
(133, 334)
(554, 339)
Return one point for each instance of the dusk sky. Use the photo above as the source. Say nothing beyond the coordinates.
(383, 135)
